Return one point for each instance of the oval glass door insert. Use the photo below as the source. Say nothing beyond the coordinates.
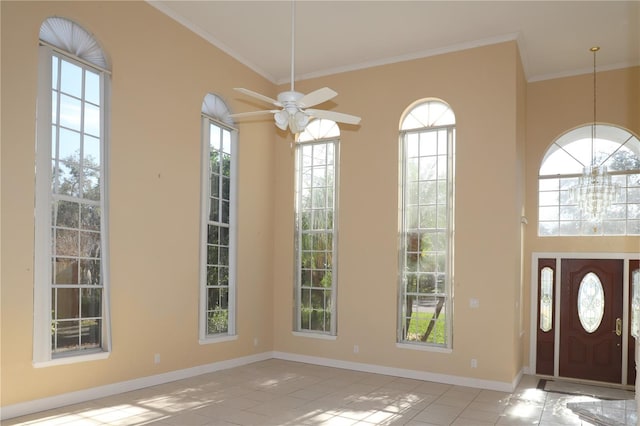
(590, 302)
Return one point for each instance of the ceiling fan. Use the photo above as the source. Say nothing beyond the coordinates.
(295, 111)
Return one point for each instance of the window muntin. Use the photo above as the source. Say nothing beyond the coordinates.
(71, 261)
(217, 271)
(561, 167)
(316, 227)
(427, 142)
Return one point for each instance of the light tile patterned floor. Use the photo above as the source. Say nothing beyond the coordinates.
(277, 392)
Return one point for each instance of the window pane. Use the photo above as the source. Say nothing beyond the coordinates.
(71, 79)
(91, 302)
(68, 178)
(91, 333)
(65, 271)
(90, 217)
(91, 120)
(90, 272)
(92, 87)
(91, 184)
(91, 151)
(67, 214)
(67, 336)
(70, 112)
(90, 244)
(54, 72)
(67, 242)
(67, 303)
(69, 146)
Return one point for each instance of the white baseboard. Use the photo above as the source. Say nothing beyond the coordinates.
(402, 372)
(84, 395)
(76, 397)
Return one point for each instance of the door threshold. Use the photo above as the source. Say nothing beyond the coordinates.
(600, 390)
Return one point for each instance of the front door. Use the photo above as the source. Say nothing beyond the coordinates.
(591, 319)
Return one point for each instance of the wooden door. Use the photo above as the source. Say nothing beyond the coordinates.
(593, 354)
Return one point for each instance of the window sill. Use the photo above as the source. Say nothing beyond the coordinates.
(314, 335)
(218, 339)
(421, 347)
(71, 359)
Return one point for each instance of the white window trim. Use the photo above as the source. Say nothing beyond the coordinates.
(231, 334)
(42, 354)
(314, 335)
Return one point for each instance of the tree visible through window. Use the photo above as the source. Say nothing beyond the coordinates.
(316, 196)
(427, 135)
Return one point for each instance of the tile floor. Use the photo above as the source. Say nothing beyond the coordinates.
(278, 392)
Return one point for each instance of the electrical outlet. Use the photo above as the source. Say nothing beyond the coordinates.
(474, 363)
(156, 359)
(255, 341)
(356, 349)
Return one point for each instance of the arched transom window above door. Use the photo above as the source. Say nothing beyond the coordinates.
(563, 164)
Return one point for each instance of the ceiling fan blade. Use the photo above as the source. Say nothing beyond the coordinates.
(252, 113)
(258, 96)
(333, 115)
(317, 97)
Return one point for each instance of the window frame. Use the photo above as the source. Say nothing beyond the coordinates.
(431, 123)
(43, 352)
(306, 139)
(207, 121)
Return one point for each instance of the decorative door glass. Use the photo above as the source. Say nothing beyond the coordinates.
(546, 299)
(590, 302)
(635, 304)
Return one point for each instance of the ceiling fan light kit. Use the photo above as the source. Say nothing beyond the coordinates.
(294, 112)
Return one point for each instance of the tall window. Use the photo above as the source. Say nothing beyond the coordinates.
(217, 227)
(316, 224)
(71, 259)
(427, 135)
(615, 148)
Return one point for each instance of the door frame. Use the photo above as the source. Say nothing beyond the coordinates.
(533, 311)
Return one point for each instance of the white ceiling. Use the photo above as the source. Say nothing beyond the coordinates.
(335, 36)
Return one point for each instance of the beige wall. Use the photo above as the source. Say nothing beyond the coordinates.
(481, 87)
(160, 76)
(161, 73)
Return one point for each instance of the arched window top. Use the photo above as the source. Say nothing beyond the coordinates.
(318, 129)
(613, 146)
(563, 164)
(215, 107)
(71, 37)
(430, 113)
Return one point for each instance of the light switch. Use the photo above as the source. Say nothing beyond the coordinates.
(474, 303)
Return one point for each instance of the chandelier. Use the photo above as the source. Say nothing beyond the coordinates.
(594, 191)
